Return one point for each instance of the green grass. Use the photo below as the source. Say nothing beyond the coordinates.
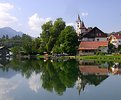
(40, 56)
(101, 57)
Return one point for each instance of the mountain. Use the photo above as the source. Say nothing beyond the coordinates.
(9, 31)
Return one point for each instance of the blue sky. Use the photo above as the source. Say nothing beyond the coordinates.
(28, 15)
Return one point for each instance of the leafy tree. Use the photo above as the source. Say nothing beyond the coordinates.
(67, 41)
(111, 48)
(36, 45)
(27, 43)
(50, 34)
(15, 50)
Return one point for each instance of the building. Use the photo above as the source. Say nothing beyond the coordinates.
(95, 34)
(89, 34)
(115, 39)
(80, 27)
(91, 47)
(91, 39)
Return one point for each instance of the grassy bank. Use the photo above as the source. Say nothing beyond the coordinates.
(101, 57)
(93, 57)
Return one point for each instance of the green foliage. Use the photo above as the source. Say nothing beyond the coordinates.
(55, 37)
(67, 41)
(50, 33)
(27, 43)
(36, 45)
(111, 48)
(15, 50)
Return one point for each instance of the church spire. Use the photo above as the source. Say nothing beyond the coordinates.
(79, 18)
(80, 27)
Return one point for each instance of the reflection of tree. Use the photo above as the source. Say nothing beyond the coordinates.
(60, 75)
(56, 76)
(26, 67)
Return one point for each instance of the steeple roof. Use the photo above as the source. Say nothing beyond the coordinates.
(82, 25)
(79, 18)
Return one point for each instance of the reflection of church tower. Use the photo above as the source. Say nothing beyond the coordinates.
(80, 27)
(80, 83)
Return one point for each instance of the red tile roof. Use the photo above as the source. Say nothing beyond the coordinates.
(118, 36)
(92, 45)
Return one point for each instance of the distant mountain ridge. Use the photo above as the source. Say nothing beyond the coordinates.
(9, 31)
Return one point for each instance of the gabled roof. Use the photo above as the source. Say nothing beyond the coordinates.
(82, 26)
(92, 45)
(95, 32)
(118, 36)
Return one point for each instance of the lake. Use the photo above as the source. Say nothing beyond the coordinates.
(59, 80)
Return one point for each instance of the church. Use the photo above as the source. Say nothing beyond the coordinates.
(91, 39)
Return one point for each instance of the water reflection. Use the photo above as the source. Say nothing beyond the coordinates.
(18, 77)
(93, 73)
(100, 68)
(54, 76)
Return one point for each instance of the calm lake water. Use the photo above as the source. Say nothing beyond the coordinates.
(59, 80)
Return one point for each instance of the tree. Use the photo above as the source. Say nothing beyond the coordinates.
(50, 34)
(67, 41)
(36, 45)
(27, 43)
(111, 48)
(16, 50)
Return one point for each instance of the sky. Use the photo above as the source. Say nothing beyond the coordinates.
(29, 15)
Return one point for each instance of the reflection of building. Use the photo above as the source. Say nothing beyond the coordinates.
(80, 83)
(115, 69)
(93, 70)
(4, 62)
(89, 79)
(4, 52)
(93, 73)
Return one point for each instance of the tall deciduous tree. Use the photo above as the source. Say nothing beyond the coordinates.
(67, 41)
(50, 33)
(27, 43)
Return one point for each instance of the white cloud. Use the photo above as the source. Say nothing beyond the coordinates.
(84, 14)
(6, 19)
(34, 82)
(35, 22)
(7, 85)
(70, 24)
(5, 7)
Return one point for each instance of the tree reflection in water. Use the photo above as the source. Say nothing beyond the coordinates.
(59, 75)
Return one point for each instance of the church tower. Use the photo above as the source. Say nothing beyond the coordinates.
(80, 27)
